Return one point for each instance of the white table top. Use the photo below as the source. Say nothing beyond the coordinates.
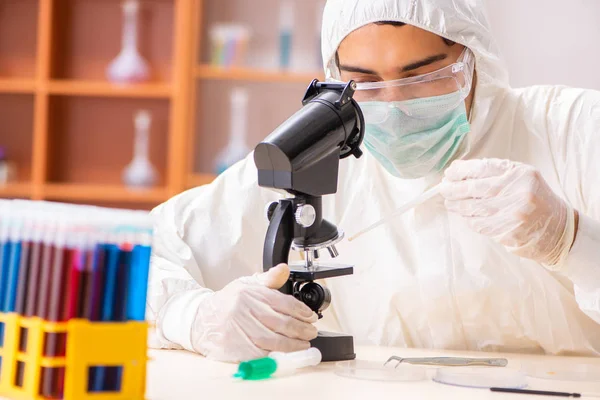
(181, 375)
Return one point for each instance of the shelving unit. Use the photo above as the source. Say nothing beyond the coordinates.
(254, 75)
(70, 131)
(194, 180)
(73, 135)
(18, 39)
(107, 193)
(107, 89)
(16, 190)
(16, 85)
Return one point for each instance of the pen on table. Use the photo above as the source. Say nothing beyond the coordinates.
(544, 392)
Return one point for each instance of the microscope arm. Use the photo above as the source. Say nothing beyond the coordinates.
(279, 238)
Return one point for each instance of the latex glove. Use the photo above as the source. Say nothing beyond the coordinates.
(511, 203)
(249, 318)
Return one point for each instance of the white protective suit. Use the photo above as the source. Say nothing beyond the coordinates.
(425, 280)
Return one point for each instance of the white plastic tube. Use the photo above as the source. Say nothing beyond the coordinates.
(289, 362)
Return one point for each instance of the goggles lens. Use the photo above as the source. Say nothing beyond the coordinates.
(444, 89)
(402, 92)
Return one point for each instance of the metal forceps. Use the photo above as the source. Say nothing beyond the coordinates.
(451, 361)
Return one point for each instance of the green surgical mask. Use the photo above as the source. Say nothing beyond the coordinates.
(410, 144)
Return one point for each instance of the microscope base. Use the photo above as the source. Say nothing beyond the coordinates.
(334, 346)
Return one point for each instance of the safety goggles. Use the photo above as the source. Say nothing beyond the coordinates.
(424, 95)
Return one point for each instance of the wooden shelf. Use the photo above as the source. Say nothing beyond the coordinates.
(8, 85)
(254, 75)
(17, 190)
(107, 89)
(108, 193)
(195, 180)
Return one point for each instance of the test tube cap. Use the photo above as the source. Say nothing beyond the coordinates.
(258, 369)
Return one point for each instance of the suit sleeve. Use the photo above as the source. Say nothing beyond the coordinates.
(574, 133)
(203, 239)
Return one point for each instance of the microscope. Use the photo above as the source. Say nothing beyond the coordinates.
(302, 157)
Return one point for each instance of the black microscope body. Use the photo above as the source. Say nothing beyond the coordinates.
(302, 157)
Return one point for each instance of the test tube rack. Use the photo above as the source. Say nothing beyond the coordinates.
(88, 345)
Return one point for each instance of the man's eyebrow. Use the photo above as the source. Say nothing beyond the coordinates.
(406, 68)
(424, 62)
(349, 68)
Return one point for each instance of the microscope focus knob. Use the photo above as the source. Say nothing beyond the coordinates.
(306, 215)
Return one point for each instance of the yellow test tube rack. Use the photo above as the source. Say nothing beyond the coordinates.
(88, 344)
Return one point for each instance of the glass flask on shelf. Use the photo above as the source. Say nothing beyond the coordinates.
(236, 148)
(129, 66)
(140, 173)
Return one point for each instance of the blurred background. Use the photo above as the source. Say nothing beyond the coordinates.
(549, 41)
(127, 103)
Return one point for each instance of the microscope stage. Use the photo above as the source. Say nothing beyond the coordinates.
(300, 273)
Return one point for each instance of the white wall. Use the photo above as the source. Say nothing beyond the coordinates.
(549, 41)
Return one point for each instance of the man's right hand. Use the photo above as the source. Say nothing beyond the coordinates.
(249, 318)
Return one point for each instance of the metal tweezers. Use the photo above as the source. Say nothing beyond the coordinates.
(451, 361)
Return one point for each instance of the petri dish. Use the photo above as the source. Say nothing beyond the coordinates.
(481, 377)
(580, 372)
(375, 371)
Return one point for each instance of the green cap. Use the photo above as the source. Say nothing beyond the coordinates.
(255, 370)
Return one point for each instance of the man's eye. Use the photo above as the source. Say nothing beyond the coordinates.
(359, 78)
(417, 78)
(363, 79)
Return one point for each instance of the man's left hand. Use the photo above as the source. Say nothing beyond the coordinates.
(511, 203)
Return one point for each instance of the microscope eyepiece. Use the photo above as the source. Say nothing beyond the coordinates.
(302, 155)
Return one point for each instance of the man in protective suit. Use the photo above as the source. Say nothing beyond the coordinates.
(507, 258)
